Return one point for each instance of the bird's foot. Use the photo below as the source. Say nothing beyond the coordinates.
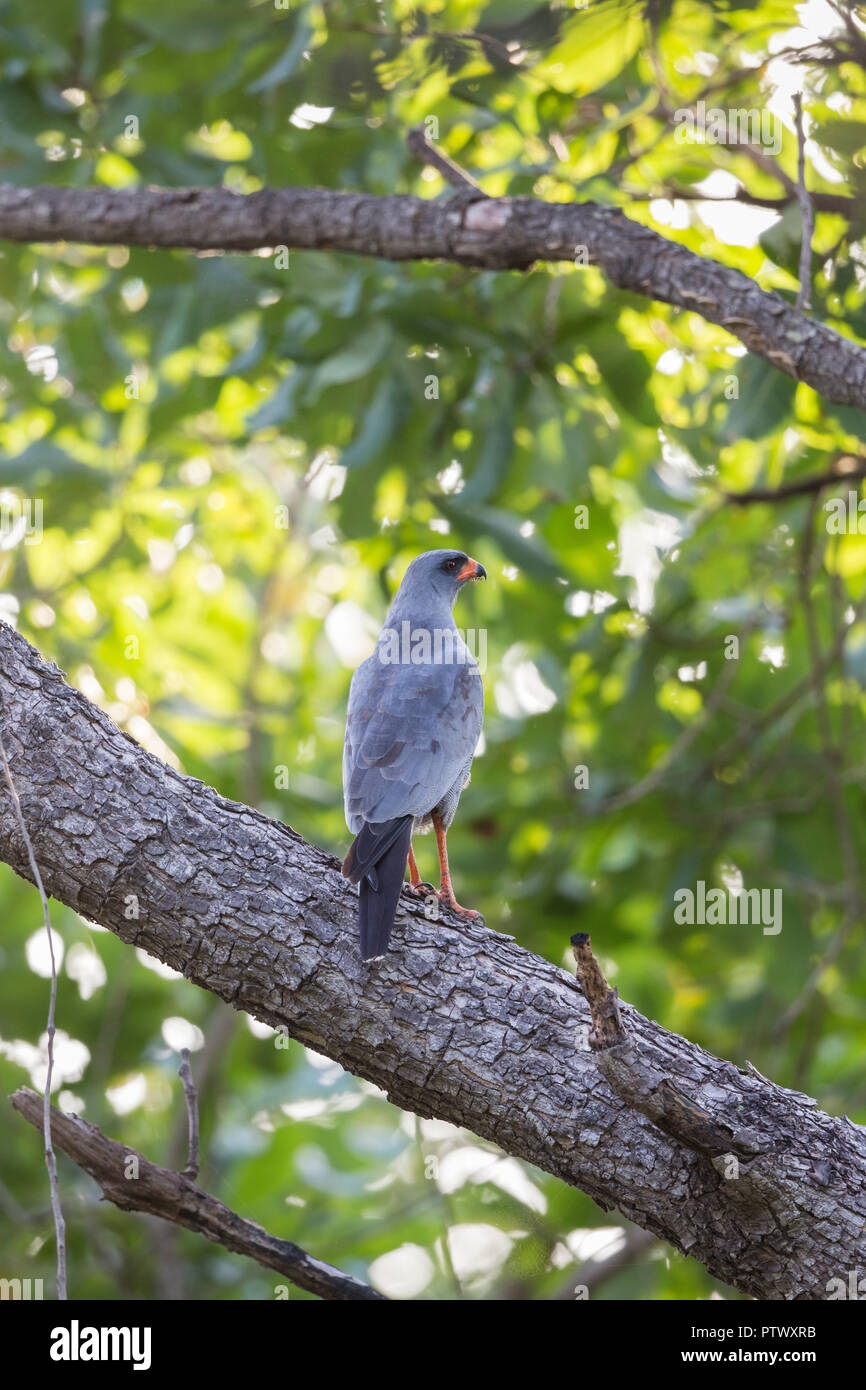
(448, 900)
(420, 889)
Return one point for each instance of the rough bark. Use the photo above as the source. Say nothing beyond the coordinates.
(494, 233)
(175, 1197)
(457, 1022)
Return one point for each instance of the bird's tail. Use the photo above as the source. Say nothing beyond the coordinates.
(377, 861)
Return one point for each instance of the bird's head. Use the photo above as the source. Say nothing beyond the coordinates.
(439, 574)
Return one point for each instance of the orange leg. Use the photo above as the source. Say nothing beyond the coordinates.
(446, 892)
(414, 876)
(416, 883)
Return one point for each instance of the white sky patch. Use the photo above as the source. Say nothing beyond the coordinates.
(521, 689)
(70, 1059)
(469, 1164)
(817, 19)
(643, 539)
(477, 1249)
(306, 116)
(210, 578)
(732, 878)
(147, 736)
(128, 1095)
(692, 673)
(9, 606)
(670, 362)
(586, 1243)
(70, 1103)
(178, 1033)
(440, 525)
(42, 361)
(582, 602)
(329, 1071)
(162, 555)
(38, 952)
(85, 967)
(158, 967)
(351, 632)
(677, 469)
(316, 1107)
(259, 1029)
(772, 654)
(138, 606)
(736, 224)
(670, 214)
(451, 478)
(325, 479)
(402, 1273)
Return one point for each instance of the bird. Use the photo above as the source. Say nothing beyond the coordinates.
(413, 722)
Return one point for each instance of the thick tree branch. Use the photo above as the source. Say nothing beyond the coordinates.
(457, 1022)
(494, 233)
(133, 1183)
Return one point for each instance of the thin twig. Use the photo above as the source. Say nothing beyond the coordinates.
(50, 1160)
(161, 1192)
(847, 468)
(428, 154)
(185, 1074)
(807, 212)
(832, 755)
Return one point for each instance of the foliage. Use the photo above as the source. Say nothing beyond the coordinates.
(236, 463)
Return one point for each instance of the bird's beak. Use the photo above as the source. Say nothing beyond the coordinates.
(472, 570)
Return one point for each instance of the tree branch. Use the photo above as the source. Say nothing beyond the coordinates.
(457, 1022)
(845, 469)
(493, 233)
(133, 1183)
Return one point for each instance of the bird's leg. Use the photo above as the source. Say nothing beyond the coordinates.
(416, 883)
(446, 892)
(414, 876)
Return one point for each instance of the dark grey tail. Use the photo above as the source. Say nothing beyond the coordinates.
(377, 860)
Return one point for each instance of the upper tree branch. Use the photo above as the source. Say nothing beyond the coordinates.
(133, 1183)
(457, 1022)
(494, 233)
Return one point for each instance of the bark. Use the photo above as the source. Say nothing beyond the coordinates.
(133, 1183)
(470, 229)
(457, 1022)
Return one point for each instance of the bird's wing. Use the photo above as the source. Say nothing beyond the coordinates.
(410, 729)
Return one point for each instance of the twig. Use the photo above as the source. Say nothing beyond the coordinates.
(832, 754)
(50, 1160)
(807, 212)
(655, 777)
(607, 1026)
(185, 1074)
(428, 154)
(160, 1192)
(847, 468)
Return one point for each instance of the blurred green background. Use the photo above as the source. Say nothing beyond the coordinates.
(238, 458)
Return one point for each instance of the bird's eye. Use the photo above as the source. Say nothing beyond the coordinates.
(451, 564)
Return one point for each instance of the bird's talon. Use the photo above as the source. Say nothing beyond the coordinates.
(448, 900)
(420, 890)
